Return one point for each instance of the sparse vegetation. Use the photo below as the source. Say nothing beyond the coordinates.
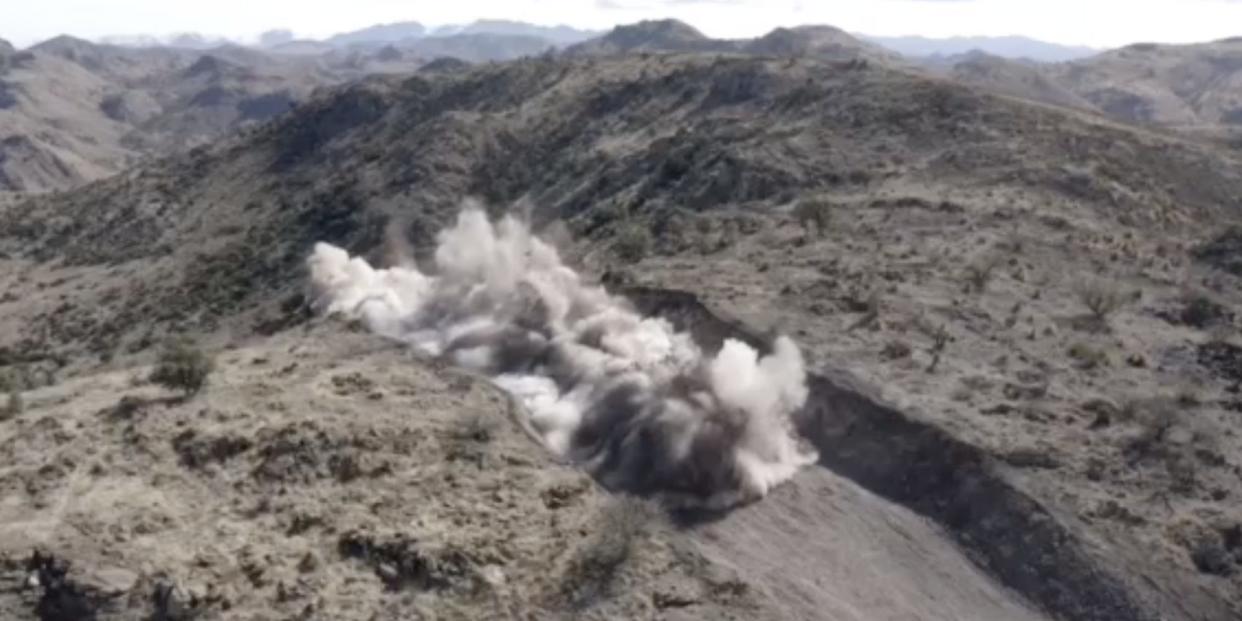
(814, 213)
(1154, 418)
(1210, 557)
(1087, 357)
(182, 366)
(870, 306)
(478, 426)
(632, 243)
(14, 405)
(1199, 310)
(1183, 474)
(896, 350)
(940, 340)
(1101, 298)
(979, 273)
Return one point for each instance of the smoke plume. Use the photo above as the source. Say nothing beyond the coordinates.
(628, 397)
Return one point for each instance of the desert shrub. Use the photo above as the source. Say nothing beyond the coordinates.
(815, 213)
(1154, 417)
(632, 243)
(673, 230)
(870, 306)
(1210, 557)
(1201, 311)
(15, 405)
(1102, 298)
(940, 340)
(128, 407)
(896, 350)
(979, 273)
(478, 426)
(183, 366)
(1087, 357)
(1182, 472)
(728, 235)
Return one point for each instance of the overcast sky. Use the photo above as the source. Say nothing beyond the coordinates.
(1098, 23)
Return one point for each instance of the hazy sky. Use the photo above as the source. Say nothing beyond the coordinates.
(1099, 23)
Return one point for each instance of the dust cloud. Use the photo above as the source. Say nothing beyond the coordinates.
(628, 397)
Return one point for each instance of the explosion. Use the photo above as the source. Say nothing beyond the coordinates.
(629, 398)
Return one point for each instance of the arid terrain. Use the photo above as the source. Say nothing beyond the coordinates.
(1020, 320)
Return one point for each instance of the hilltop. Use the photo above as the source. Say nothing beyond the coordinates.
(668, 36)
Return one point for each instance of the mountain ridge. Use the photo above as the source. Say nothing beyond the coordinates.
(1014, 47)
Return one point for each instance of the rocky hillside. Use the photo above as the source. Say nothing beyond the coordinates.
(1014, 47)
(667, 35)
(1187, 87)
(1046, 301)
(822, 42)
(1176, 85)
(1012, 78)
(663, 36)
(72, 111)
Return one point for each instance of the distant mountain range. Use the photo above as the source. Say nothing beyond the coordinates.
(1191, 87)
(1005, 47)
(914, 47)
(72, 111)
(822, 42)
(371, 36)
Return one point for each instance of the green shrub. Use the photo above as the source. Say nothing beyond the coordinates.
(183, 366)
(633, 243)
